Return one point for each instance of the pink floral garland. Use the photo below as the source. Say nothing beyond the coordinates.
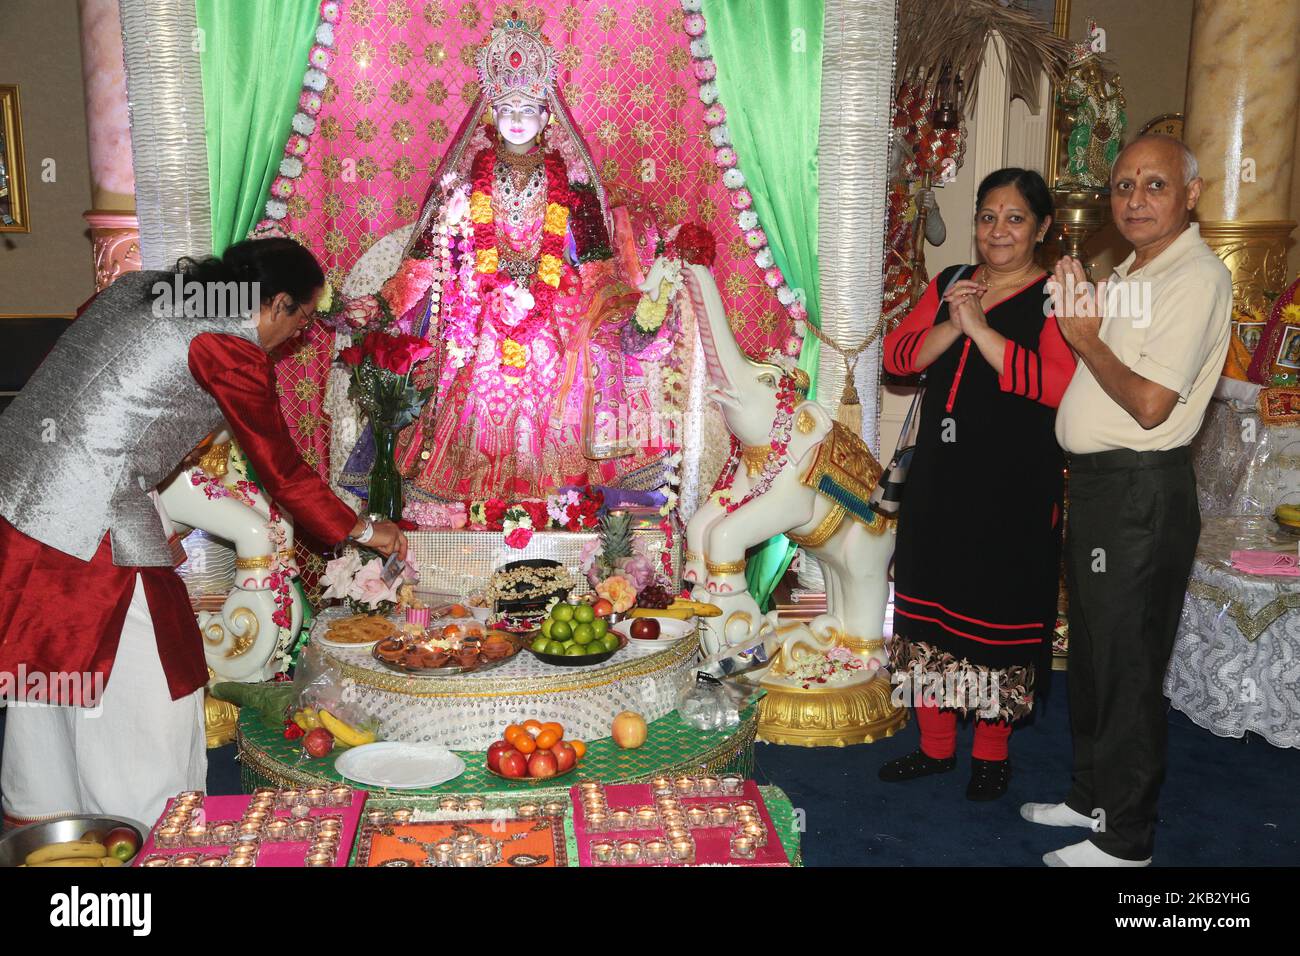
(781, 429)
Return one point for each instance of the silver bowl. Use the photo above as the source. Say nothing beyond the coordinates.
(16, 844)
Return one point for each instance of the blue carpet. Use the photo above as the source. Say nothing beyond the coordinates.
(1225, 802)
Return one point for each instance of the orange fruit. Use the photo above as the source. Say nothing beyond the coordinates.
(513, 731)
(524, 743)
(552, 725)
(450, 631)
(534, 727)
(579, 748)
(458, 610)
(547, 739)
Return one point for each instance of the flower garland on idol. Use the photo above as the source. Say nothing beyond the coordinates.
(516, 335)
(310, 101)
(724, 157)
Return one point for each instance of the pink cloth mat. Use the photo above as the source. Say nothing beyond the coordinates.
(1281, 563)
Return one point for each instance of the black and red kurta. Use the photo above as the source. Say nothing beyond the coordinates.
(976, 567)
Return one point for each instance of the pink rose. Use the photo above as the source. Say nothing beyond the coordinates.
(369, 588)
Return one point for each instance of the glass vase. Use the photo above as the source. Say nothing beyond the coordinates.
(385, 481)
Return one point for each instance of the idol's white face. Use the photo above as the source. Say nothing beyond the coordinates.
(520, 119)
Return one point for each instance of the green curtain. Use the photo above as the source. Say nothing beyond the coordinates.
(253, 54)
(769, 58)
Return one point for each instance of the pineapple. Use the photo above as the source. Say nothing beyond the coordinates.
(616, 541)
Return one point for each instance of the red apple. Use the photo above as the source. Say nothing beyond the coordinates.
(495, 753)
(645, 629)
(121, 842)
(565, 756)
(542, 764)
(513, 764)
(318, 742)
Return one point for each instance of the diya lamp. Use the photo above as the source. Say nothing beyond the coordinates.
(402, 815)
(629, 851)
(528, 811)
(277, 830)
(743, 847)
(602, 851)
(473, 803)
(449, 803)
(465, 858)
(556, 808)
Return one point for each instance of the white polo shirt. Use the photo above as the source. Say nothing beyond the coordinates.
(1169, 322)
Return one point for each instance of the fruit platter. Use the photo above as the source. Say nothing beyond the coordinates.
(73, 841)
(533, 751)
(576, 635)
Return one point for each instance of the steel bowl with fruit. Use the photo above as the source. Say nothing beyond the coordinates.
(73, 841)
(533, 751)
(576, 635)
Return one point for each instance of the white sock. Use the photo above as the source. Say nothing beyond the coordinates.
(1087, 854)
(1055, 815)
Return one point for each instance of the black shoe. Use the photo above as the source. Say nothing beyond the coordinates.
(988, 779)
(916, 764)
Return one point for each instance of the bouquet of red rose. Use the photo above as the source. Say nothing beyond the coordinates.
(381, 367)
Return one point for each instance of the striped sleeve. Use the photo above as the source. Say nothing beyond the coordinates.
(1042, 375)
(904, 343)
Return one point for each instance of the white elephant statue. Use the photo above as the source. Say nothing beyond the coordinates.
(818, 497)
(242, 642)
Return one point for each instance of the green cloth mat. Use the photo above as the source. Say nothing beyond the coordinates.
(670, 745)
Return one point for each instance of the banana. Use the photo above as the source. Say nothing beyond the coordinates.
(345, 733)
(67, 862)
(111, 861)
(74, 850)
(306, 718)
(1288, 514)
(680, 609)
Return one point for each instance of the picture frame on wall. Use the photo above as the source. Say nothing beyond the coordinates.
(13, 175)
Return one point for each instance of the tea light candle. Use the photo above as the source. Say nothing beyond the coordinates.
(155, 861)
(487, 852)
(621, 819)
(556, 808)
(320, 859)
(731, 783)
(590, 786)
(597, 820)
(300, 811)
(656, 851)
(473, 803)
(197, 834)
(261, 793)
(277, 830)
(528, 811)
(675, 834)
(403, 815)
(186, 859)
(709, 785)
(377, 817)
(682, 851)
(745, 809)
(756, 832)
(684, 785)
(660, 785)
(211, 861)
(466, 858)
(178, 820)
(223, 832)
(602, 852)
(315, 796)
(674, 820)
(302, 829)
(329, 847)
(698, 816)
(240, 861)
(647, 817)
(629, 851)
(340, 796)
(466, 841)
(742, 847)
(594, 803)
(169, 836)
(449, 803)
(191, 797)
(250, 826)
(255, 816)
(721, 816)
(443, 850)
(289, 797)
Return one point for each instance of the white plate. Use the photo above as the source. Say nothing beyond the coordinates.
(342, 646)
(398, 766)
(671, 630)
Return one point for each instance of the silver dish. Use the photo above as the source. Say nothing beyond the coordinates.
(16, 844)
(449, 671)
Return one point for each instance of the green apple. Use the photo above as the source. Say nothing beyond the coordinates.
(555, 648)
(583, 634)
(600, 627)
(610, 642)
(576, 650)
(562, 612)
(540, 645)
(583, 614)
(561, 631)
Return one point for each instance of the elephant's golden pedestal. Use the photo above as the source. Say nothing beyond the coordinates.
(220, 719)
(834, 717)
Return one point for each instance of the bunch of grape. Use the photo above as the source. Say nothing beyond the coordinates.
(655, 596)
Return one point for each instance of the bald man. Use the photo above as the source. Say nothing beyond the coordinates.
(1151, 343)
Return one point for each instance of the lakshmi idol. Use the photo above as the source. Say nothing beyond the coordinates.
(509, 272)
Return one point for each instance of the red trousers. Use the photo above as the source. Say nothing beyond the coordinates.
(939, 735)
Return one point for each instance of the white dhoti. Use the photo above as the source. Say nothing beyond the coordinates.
(124, 758)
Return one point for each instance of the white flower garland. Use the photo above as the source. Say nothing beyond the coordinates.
(705, 69)
(315, 79)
